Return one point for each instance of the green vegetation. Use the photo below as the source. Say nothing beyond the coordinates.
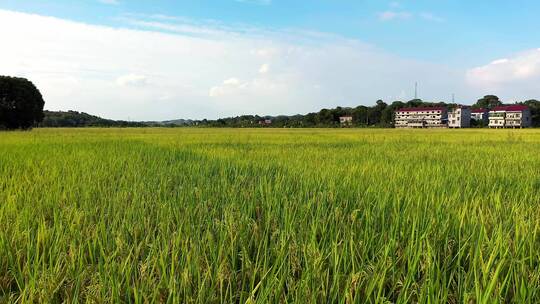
(21, 103)
(266, 216)
(74, 119)
(379, 115)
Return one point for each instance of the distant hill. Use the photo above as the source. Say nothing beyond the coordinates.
(73, 119)
(176, 122)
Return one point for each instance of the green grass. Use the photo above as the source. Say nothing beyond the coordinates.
(266, 216)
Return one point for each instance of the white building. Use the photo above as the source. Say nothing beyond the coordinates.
(421, 118)
(480, 115)
(346, 120)
(459, 117)
(514, 116)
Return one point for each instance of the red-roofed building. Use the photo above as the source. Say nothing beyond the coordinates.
(425, 117)
(513, 116)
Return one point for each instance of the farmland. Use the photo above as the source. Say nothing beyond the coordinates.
(269, 215)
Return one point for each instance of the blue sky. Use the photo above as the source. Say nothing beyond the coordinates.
(464, 47)
(460, 31)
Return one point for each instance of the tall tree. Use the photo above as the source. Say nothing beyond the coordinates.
(375, 113)
(387, 115)
(21, 103)
(360, 115)
(488, 102)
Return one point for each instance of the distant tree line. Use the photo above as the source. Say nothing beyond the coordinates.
(73, 119)
(379, 115)
(21, 107)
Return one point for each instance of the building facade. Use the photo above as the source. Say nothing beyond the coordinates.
(265, 122)
(459, 117)
(480, 115)
(421, 118)
(346, 121)
(514, 116)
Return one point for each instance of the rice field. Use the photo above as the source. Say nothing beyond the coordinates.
(269, 216)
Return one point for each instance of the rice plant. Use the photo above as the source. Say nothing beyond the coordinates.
(269, 216)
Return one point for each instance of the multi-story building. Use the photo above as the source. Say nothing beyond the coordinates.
(346, 121)
(421, 118)
(514, 116)
(459, 117)
(480, 115)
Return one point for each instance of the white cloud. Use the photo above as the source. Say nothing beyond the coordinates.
(405, 15)
(232, 82)
(228, 87)
(521, 69)
(516, 77)
(151, 75)
(267, 52)
(394, 15)
(499, 61)
(110, 2)
(175, 28)
(264, 69)
(431, 17)
(248, 90)
(132, 80)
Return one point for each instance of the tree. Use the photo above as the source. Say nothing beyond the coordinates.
(21, 103)
(326, 117)
(375, 113)
(311, 119)
(488, 102)
(360, 115)
(387, 115)
(413, 103)
(534, 105)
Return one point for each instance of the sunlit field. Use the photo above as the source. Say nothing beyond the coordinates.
(269, 216)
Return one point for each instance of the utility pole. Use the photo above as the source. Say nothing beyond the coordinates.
(416, 90)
